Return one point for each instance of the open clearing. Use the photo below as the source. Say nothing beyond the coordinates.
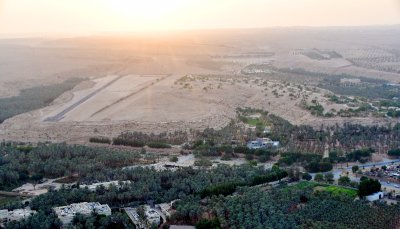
(186, 81)
(165, 103)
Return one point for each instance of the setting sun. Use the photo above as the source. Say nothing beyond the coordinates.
(149, 9)
(96, 16)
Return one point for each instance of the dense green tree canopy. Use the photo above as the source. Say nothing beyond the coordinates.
(368, 186)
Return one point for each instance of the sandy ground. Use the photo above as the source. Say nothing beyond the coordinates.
(189, 160)
(150, 93)
(332, 66)
(39, 189)
(165, 103)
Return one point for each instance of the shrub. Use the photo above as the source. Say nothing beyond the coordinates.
(263, 158)
(315, 167)
(329, 177)
(249, 157)
(208, 224)
(158, 145)
(394, 152)
(241, 149)
(319, 177)
(306, 176)
(173, 159)
(203, 162)
(368, 187)
(102, 140)
(253, 163)
(355, 168)
(277, 174)
(359, 155)
(127, 142)
(345, 181)
(226, 157)
(221, 189)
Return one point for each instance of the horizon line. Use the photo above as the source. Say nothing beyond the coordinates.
(55, 35)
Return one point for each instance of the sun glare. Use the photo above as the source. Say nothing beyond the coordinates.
(152, 10)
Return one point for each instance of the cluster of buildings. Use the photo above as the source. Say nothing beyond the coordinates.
(144, 216)
(67, 213)
(153, 215)
(15, 215)
(351, 82)
(260, 143)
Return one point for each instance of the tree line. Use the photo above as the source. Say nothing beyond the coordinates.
(291, 206)
(20, 164)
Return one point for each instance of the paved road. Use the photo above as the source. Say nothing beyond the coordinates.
(384, 183)
(60, 115)
(130, 95)
(372, 164)
(337, 172)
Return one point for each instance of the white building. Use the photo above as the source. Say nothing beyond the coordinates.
(67, 213)
(152, 217)
(262, 143)
(375, 196)
(165, 208)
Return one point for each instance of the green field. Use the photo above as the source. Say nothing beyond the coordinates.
(254, 121)
(306, 184)
(334, 190)
(337, 191)
(257, 122)
(302, 185)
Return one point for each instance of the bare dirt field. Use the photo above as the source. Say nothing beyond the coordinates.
(179, 81)
(165, 104)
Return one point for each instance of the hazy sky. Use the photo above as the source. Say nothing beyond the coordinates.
(47, 17)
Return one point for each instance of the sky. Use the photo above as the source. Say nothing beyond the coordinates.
(83, 17)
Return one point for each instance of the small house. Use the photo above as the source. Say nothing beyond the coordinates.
(374, 197)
